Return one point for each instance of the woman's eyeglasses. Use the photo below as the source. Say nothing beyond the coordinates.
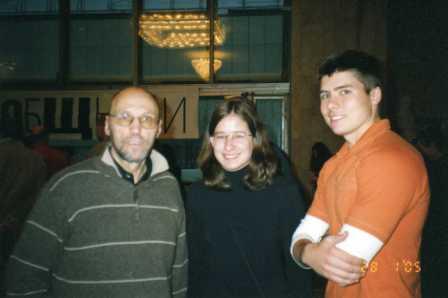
(237, 137)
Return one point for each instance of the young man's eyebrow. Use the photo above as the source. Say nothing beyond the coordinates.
(343, 86)
(338, 87)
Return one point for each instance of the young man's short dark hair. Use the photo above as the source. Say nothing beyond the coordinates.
(365, 67)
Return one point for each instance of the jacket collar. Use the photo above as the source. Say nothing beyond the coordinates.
(157, 161)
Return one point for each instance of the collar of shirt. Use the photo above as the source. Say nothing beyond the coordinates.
(128, 176)
(378, 128)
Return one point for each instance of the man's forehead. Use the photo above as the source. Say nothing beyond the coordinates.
(340, 78)
(134, 99)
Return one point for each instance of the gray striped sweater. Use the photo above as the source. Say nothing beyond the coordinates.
(94, 234)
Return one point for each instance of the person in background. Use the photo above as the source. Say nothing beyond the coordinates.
(110, 226)
(319, 155)
(22, 174)
(55, 159)
(434, 252)
(241, 216)
(372, 196)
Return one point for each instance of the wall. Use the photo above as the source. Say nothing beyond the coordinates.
(75, 111)
(418, 54)
(320, 28)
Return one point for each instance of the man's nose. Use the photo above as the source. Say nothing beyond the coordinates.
(135, 125)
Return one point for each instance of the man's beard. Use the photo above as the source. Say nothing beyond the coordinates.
(128, 157)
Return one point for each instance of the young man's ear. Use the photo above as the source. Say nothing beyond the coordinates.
(376, 95)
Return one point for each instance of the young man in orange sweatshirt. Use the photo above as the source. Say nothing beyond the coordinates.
(363, 229)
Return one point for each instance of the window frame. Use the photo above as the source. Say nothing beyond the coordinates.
(65, 16)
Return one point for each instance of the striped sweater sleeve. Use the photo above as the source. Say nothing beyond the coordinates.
(180, 264)
(28, 272)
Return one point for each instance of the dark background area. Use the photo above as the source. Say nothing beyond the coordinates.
(417, 41)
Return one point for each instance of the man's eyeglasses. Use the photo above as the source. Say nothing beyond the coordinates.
(237, 137)
(126, 120)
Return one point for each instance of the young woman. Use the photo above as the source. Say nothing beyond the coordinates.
(241, 216)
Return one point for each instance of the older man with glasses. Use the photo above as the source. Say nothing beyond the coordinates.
(111, 226)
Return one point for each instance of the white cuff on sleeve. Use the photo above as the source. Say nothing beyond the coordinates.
(311, 228)
(360, 243)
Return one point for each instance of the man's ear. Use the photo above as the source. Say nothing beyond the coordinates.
(159, 128)
(376, 95)
(106, 126)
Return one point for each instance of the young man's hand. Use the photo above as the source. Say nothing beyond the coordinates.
(333, 263)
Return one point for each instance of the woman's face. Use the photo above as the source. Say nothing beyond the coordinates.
(232, 143)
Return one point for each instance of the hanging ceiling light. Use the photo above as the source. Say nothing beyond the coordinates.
(180, 30)
(202, 67)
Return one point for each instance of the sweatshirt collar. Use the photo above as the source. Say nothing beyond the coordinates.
(129, 176)
(156, 163)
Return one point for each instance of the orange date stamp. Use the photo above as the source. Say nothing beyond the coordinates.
(406, 266)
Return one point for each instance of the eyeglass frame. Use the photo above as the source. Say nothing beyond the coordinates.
(236, 137)
(128, 122)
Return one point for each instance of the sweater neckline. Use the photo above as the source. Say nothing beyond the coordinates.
(236, 178)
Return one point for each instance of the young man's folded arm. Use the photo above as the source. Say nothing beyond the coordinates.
(310, 230)
(359, 243)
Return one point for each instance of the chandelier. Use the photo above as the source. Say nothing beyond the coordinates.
(178, 30)
(202, 67)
